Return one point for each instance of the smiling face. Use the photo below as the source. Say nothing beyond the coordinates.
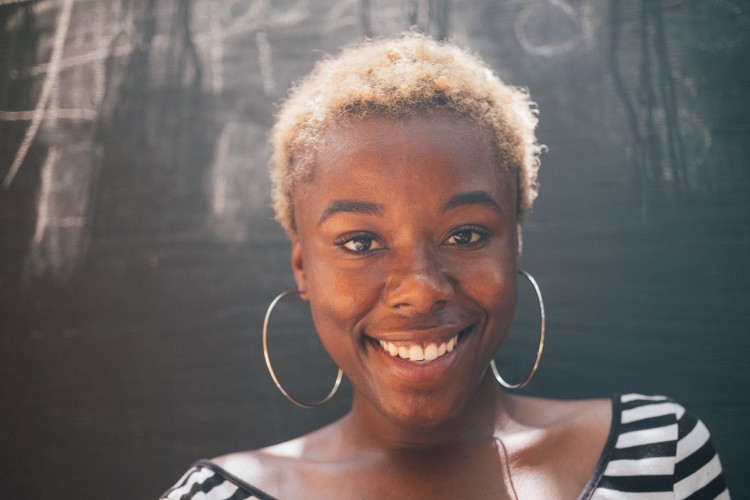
(406, 248)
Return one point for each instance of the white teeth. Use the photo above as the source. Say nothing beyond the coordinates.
(392, 349)
(418, 352)
(403, 352)
(430, 352)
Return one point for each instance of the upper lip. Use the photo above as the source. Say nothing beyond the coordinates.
(419, 333)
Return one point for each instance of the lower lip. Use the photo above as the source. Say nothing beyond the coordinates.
(422, 374)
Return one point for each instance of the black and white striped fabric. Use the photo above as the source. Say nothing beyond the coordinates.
(655, 451)
(207, 481)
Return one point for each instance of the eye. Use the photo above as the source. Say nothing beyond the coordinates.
(359, 243)
(467, 236)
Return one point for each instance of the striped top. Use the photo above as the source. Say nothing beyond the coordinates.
(655, 451)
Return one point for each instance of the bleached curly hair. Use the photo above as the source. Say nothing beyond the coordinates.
(400, 77)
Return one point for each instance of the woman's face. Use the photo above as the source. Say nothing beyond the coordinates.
(406, 247)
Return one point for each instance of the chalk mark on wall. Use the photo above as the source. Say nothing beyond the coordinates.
(669, 142)
(48, 87)
(61, 221)
(44, 195)
(378, 17)
(66, 175)
(222, 25)
(215, 42)
(581, 19)
(258, 17)
(234, 191)
(266, 63)
(51, 114)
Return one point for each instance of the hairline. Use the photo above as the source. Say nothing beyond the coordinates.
(485, 128)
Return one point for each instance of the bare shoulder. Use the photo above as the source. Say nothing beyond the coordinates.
(582, 426)
(264, 468)
(570, 414)
(561, 440)
(272, 467)
(262, 458)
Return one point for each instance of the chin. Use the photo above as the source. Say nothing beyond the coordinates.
(424, 413)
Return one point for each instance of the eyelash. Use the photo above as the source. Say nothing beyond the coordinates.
(349, 238)
(482, 234)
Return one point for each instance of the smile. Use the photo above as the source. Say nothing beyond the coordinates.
(416, 352)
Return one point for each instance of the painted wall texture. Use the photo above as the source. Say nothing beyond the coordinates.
(138, 251)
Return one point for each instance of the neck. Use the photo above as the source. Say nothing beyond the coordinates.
(483, 415)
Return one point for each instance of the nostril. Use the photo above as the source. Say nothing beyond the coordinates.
(406, 310)
(416, 303)
(421, 287)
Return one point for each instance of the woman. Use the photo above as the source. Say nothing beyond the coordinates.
(402, 172)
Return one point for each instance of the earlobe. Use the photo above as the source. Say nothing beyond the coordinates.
(298, 268)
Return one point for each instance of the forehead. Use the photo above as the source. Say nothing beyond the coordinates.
(404, 166)
(398, 145)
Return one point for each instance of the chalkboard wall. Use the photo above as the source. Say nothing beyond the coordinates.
(138, 252)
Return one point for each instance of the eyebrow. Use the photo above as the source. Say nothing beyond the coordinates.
(352, 207)
(472, 198)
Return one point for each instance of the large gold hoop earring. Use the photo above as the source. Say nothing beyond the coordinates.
(528, 378)
(270, 368)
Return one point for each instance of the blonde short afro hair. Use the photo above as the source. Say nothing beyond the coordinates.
(400, 77)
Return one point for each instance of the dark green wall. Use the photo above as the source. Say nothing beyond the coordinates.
(138, 253)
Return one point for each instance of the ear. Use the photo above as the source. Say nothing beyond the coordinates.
(298, 268)
(519, 241)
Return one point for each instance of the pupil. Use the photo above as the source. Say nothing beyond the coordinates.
(462, 237)
(362, 244)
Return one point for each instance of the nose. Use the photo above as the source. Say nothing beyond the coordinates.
(418, 283)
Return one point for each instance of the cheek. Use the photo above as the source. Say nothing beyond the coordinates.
(339, 298)
(493, 273)
(492, 285)
(496, 291)
(504, 304)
